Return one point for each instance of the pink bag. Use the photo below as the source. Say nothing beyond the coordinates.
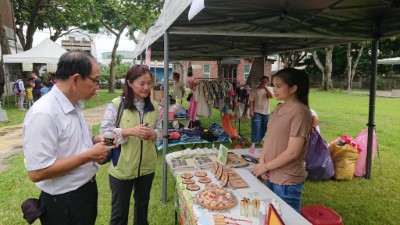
(362, 141)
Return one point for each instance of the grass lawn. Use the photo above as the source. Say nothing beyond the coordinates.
(358, 201)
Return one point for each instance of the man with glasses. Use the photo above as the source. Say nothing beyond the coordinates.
(61, 154)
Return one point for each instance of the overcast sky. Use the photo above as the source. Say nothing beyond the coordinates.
(103, 43)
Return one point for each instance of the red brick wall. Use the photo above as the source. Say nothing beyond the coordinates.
(198, 67)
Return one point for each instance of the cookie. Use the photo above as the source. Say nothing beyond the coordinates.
(200, 174)
(204, 180)
(193, 187)
(186, 175)
(188, 181)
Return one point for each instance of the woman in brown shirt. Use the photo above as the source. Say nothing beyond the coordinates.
(285, 146)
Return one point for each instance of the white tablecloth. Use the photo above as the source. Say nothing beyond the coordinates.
(256, 189)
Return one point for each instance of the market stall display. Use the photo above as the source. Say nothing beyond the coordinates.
(201, 203)
(213, 133)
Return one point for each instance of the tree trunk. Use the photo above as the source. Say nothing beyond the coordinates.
(354, 68)
(348, 68)
(325, 70)
(256, 72)
(320, 67)
(111, 85)
(34, 15)
(351, 70)
(328, 67)
(5, 50)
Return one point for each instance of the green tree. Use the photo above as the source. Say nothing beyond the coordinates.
(61, 17)
(293, 58)
(116, 16)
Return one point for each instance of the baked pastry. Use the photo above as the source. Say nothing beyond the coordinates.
(186, 175)
(188, 181)
(215, 167)
(200, 174)
(219, 172)
(224, 179)
(216, 199)
(204, 180)
(193, 187)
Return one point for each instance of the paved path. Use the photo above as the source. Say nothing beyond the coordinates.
(11, 137)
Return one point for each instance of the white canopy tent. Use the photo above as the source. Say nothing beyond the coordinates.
(214, 30)
(46, 52)
(389, 61)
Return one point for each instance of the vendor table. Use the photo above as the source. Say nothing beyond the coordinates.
(192, 213)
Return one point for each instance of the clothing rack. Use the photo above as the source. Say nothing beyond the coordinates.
(237, 121)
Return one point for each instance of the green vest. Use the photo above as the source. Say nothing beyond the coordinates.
(138, 157)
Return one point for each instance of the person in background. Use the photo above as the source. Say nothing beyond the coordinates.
(259, 109)
(178, 88)
(286, 142)
(44, 90)
(36, 87)
(315, 120)
(21, 94)
(140, 125)
(29, 94)
(61, 154)
(52, 80)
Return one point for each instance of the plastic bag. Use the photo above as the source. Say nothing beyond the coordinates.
(344, 154)
(362, 141)
(227, 126)
(319, 163)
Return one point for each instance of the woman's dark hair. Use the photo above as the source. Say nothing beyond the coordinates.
(134, 73)
(296, 77)
(74, 62)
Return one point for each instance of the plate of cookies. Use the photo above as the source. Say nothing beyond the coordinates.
(216, 199)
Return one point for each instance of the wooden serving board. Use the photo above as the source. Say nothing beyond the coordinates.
(237, 184)
(236, 162)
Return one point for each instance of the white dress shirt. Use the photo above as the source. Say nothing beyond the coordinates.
(54, 128)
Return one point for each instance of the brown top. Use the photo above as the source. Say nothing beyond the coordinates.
(283, 124)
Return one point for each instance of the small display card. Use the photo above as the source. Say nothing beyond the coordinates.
(223, 154)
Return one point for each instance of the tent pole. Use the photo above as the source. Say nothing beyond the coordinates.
(165, 121)
(371, 114)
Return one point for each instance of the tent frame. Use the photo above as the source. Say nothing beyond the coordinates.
(290, 25)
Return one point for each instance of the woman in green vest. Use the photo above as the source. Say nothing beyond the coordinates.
(135, 121)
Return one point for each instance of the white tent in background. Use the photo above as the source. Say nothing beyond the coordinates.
(46, 52)
(389, 61)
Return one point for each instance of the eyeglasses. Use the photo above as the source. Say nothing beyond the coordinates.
(96, 81)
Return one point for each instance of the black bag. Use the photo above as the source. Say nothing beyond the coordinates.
(31, 209)
(209, 136)
(189, 97)
(114, 153)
